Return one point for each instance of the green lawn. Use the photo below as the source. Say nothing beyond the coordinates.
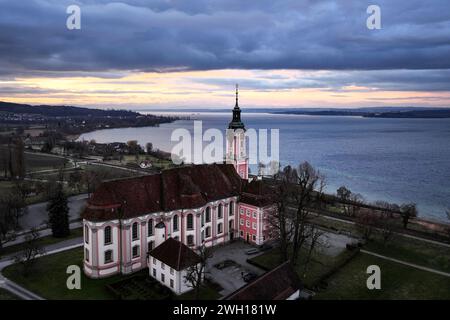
(6, 295)
(318, 266)
(398, 282)
(48, 278)
(414, 251)
(44, 241)
(210, 291)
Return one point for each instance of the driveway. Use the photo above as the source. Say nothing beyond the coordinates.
(230, 278)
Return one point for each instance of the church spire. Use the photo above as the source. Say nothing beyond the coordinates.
(237, 96)
(236, 122)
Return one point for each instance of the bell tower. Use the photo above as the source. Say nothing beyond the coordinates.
(236, 145)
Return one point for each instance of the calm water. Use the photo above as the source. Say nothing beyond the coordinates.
(397, 160)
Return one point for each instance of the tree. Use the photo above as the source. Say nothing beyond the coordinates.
(343, 193)
(7, 224)
(149, 148)
(32, 248)
(408, 211)
(447, 212)
(75, 180)
(366, 224)
(196, 272)
(58, 213)
(386, 227)
(296, 193)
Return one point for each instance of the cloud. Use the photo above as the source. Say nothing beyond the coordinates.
(219, 34)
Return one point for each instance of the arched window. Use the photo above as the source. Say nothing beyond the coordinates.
(208, 232)
(190, 221)
(219, 228)
(175, 223)
(231, 209)
(108, 256)
(220, 211)
(203, 218)
(190, 240)
(150, 227)
(86, 234)
(135, 231)
(107, 236)
(208, 214)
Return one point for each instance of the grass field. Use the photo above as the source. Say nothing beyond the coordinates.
(6, 295)
(398, 282)
(44, 241)
(48, 279)
(318, 266)
(414, 251)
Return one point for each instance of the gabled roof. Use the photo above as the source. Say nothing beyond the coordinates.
(277, 284)
(175, 254)
(179, 188)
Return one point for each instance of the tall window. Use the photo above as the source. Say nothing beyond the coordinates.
(135, 231)
(231, 209)
(150, 227)
(86, 255)
(190, 221)
(203, 218)
(108, 256)
(208, 232)
(220, 211)
(231, 225)
(175, 223)
(151, 245)
(107, 235)
(86, 234)
(190, 240)
(135, 251)
(219, 228)
(208, 214)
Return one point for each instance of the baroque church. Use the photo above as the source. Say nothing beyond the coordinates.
(134, 223)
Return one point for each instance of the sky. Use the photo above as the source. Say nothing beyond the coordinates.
(146, 54)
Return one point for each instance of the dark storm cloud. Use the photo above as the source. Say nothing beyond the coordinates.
(215, 34)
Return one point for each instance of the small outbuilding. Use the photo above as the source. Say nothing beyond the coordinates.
(169, 263)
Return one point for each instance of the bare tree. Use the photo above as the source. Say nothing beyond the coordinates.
(408, 211)
(195, 274)
(297, 192)
(366, 224)
(30, 252)
(314, 235)
(386, 227)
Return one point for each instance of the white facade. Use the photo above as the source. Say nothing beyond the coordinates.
(125, 249)
(169, 277)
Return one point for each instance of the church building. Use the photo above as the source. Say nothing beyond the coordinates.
(207, 204)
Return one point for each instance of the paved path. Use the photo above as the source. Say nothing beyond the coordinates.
(20, 291)
(445, 274)
(443, 244)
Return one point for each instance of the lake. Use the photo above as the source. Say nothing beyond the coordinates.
(396, 160)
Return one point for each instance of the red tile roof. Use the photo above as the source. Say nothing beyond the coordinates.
(277, 284)
(258, 193)
(175, 254)
(179, 188)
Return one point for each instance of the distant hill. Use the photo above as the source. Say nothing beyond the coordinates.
(412, 114)
(62, 111)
